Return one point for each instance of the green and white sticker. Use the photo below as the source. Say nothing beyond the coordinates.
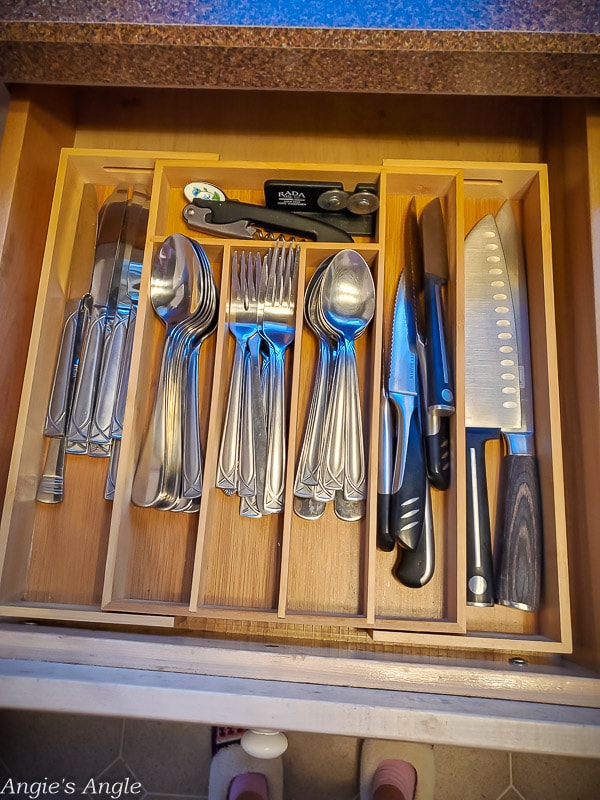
(202, 190)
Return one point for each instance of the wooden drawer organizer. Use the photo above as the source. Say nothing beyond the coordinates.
(91, 559)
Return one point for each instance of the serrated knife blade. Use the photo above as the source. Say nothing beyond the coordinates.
(407, 502)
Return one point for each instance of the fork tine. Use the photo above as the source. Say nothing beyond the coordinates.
(249, 289)
(235, 290)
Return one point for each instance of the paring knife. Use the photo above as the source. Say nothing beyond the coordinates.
(103, 291)
(438, 386)
(519, 531)
(409, 481)
(498, 402)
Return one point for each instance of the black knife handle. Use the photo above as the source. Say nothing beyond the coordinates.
(440, 391)
(407, 503)
(225, 211)
(415, 568)
(480, 574)
(437, 453)
(519, 534)
(385, 540)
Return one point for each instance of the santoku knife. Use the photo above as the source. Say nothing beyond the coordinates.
(519, 532)
(498, 402)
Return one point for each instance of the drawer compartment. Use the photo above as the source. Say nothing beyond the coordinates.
(279, 568)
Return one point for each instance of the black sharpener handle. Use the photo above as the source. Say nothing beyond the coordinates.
(226, 211)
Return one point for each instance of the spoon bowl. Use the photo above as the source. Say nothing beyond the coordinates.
(347, 294)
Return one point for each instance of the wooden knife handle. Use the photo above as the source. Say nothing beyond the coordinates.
(480, 575)
(519, 534)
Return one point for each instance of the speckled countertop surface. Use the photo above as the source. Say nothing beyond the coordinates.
(531, 47)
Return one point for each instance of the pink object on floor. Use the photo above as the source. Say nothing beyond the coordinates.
(249, 786)
(395, 773)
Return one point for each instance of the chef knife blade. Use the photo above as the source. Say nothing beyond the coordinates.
(439, 399)
(106, 258)
(440, 390)
(519, 531)
(433, 364)
(407, 502)
(492, 389)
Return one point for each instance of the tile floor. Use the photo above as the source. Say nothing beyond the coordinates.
(171, 761)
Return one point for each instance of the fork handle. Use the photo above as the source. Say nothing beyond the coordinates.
(276, 450)
(246, 474)
(228, 454)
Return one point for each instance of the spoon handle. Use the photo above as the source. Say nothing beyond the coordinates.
(333, 458)
(147, 482)
(191, 478)
(307, 472)
(354, 466)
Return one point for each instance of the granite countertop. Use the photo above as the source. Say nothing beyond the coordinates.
(526, 47)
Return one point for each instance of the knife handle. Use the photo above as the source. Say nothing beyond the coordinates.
(87, 381)
(61, 396)
(440, 391)
(116, 430)
(385, 540)
(415, 568)
(409, 484)
(480, 575)
(519, 534)
(437, 452)
(108, 381)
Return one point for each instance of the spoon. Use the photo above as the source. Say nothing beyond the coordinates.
(174, 297)
(347, 302)
(306, 504)
(183, 470)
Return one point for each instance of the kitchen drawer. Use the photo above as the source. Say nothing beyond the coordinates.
(66, 578)
(279, 567)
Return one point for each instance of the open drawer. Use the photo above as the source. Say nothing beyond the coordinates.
(87, 551)
(97, 570)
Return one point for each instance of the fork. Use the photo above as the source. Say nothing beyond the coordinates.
(278, 313)
(242, 324)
